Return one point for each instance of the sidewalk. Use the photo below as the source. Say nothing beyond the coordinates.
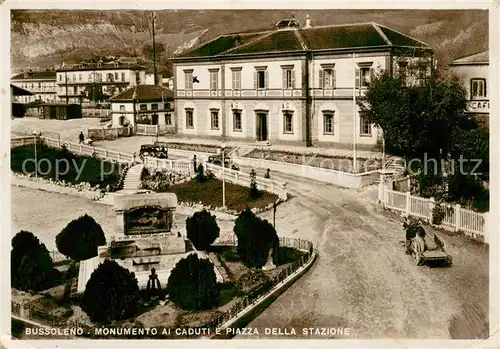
(325, 151)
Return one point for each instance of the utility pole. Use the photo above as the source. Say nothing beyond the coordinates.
(66, 84)
(154, 49)
(354, 133)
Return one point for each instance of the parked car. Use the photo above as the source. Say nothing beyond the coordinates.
(217, 160)
(154, 150)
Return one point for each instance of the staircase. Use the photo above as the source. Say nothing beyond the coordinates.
(395, 165)
(132, 180)
(240, 150)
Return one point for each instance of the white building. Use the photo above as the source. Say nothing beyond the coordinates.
(288, 85)
(473, 72)
(73, 83)
(41, 83)
(146, 105)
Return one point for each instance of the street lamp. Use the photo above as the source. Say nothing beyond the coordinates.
(275, 204)
(35, 135)
(223, 146)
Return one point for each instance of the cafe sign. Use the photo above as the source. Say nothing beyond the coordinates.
(478, 106)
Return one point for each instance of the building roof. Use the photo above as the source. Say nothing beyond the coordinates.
(102, 66)
(17, 91)
(477, 58)
(332, 37)
(36, 75)
(144, 93)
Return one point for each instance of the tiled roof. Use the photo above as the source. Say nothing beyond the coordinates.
(221, 44)
(35, 75)
(17, 91)
(481, 57)
(338, 37)
(103, 66)
(279, 41)
(398, 39)
(144, 92)
(315, 38)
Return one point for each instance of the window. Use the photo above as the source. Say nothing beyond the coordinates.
(143, 107)
(261, 79)
(75, 90)
(189, 118)
(116, 76)
(74, 77)
(214, 79)
(363, 74)
(328, 122)
(327, 76)
(236, 77)
(287, 122)
(478, 88)
(166, 106)
(188, 79)
(98, 77)
(80, 77)
(154, 106)
(288, 76)
(214, 116)
(123, 77)
(110, 77)
(365, 126)
(60, 77)
(236, 120)
(137, 78)
(168, 119)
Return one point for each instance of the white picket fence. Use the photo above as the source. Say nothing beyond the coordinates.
(88, 150)
(179, 166)
(242, 178)
(146, 130)
(18, 141)
(456, 218)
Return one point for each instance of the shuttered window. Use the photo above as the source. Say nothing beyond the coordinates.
(261, 78)
(288, 77)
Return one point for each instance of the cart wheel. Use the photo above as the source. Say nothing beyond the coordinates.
(449, 261)
(418, 260)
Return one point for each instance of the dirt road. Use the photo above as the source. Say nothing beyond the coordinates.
(363, 279)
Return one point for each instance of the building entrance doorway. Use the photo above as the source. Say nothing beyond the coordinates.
(261, 127)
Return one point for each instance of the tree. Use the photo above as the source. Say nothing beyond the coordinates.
(192, 284)
(111, 293)
(200, 175)
(202, 229)
(254, 191)
(426, 120)
(256, 237)
(80, 238)
(30, 263)
(94, 92)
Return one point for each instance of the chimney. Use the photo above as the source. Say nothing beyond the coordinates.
(308, 22)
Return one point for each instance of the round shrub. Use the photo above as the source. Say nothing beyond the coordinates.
(30, 263)
(80, 238)
(256, 237)
(202, 229)
(192, 284)
(111, 293)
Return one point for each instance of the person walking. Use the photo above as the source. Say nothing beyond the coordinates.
(81, 137)
(267, 174)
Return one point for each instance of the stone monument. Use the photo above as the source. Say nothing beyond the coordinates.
(145, 240)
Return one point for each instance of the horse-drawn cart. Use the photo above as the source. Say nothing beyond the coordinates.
(426, 249)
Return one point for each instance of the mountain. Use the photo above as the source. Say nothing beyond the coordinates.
(46, 38)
